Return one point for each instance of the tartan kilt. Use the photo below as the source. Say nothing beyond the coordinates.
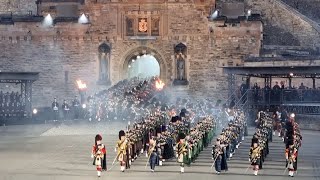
(194, 152)
(256, 162)
(122, 157)
(97, 161)
(182, 158)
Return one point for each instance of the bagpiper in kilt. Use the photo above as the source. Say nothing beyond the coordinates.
(122, 147)
(293, 141)
(181, 151)
(161, 141)
(233, 134)
(200, 135)
(153, 153)
(98, 154)
(255, 156)
(260, 141)
(219, 157)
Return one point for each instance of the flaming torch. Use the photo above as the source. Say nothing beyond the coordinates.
(159, 85)
(82, 90)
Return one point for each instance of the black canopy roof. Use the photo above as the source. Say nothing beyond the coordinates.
(275, 71)
(18, 76)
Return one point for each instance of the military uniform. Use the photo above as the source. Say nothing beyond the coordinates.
(76, 108)
(182, 151)
(293, 143)
(153, 153)
(255, 156)
(219, 157)
(99, 154)
(122, 150)
(260, 141)
(55, 109)
(66, 109)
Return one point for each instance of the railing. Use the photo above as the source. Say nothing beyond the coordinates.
(284, 96)
(233, 96)
(243, 101)
(12, 111)
(293, 100)
(15, 14)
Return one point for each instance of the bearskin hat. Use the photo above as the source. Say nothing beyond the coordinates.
(98, 138)
(158, 130)
(163, 128)
(289, 124)
(289, 142)
(121, 133)
(254, 140)
(182, 114)
(181, 136)
(163, 108)
(174, 119)
(184, 110)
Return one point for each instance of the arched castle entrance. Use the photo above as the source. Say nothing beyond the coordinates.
(143, 61)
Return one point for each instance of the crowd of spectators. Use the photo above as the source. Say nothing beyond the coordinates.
(280, 93)
(11, 104)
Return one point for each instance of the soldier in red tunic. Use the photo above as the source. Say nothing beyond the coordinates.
(98, 154)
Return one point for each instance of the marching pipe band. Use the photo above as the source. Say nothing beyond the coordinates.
(260, 141)
(159, 141)
(189, 146)
(154, 135)
(228, 141)
(293, 141)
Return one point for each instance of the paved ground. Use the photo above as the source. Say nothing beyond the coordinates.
(47, 152)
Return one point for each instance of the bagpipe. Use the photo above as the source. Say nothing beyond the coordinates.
(293, 143)
(261, 137)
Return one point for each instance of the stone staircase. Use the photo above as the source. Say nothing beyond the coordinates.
(309, 8)
(287, 7)
(175, 92)
(278, 14)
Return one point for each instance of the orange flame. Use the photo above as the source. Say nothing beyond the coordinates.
(159, 84)
(81, 85)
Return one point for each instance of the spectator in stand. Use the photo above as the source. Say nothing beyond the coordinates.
(276, 92)
(276, 87)
(267, 94)
(255, 92)
(302, 86)
(282, 84)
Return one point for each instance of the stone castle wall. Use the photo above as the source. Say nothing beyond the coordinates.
(69, 51)
(53, 59)
(18, 6)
